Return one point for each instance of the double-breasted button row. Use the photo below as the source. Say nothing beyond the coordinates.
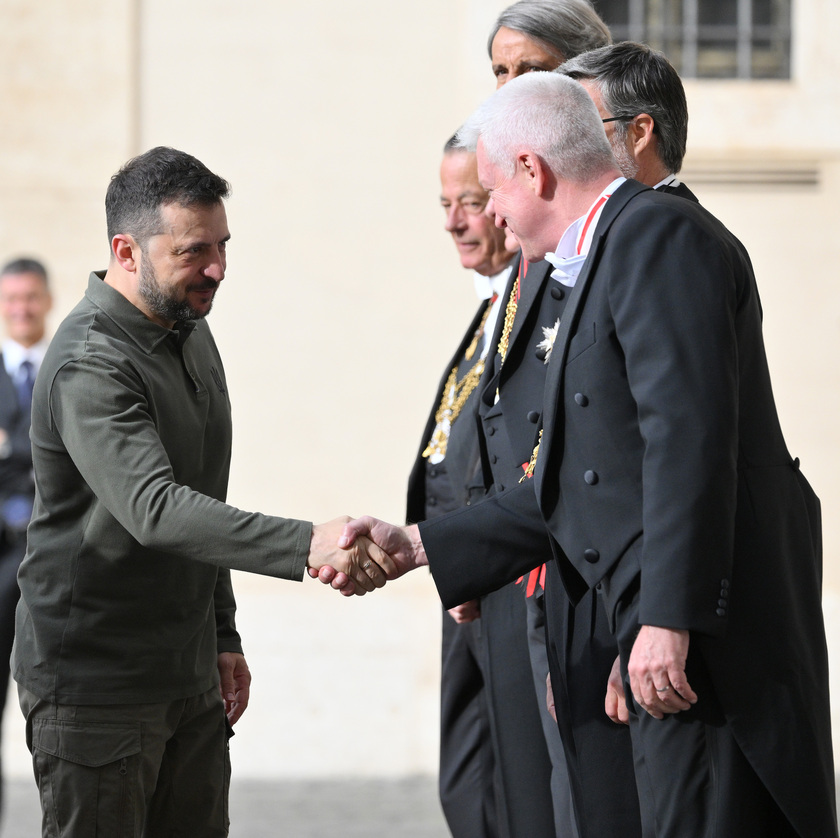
(723, 601)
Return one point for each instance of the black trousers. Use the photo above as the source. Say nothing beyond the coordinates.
(565, 824)
(523, 767)
(598, 751)
(692, 777)
(466, 750)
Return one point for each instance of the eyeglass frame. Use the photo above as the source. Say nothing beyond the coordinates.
(628, 119)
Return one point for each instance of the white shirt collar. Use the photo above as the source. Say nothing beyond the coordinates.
(575, 242)
(14, 354)
(486, 286)
(670, 180)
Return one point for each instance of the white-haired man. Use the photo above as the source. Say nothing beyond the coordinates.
(661, 479)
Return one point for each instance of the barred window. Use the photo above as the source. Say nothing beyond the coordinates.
(709, 39)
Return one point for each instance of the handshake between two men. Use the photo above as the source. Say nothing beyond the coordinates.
(356, 556)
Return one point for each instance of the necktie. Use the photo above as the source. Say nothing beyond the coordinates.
(25, 382)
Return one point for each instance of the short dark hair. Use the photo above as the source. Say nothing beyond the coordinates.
(146, 183)
(635, 79)
(25, 265)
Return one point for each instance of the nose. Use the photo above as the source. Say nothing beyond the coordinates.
(215, 267)
(455, 219)
(490, 209)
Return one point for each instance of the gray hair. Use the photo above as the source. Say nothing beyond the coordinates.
(548, 114)
(564, 28)
(634, 79)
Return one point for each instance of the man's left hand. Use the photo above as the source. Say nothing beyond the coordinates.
(234, 684)
(657, 671)
(614, 704)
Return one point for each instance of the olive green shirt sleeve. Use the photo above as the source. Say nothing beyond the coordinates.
(106, 425)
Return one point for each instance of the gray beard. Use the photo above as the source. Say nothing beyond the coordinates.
(164, 305)
(626, 164)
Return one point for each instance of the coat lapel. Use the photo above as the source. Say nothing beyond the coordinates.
(553, 418)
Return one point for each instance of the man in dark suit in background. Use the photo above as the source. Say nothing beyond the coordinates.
(25, 302)
(661, 480)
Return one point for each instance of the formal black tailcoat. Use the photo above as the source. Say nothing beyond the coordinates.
(663, 475)
(520, 759)
(514, 637)
(604, 801)
(466, 778)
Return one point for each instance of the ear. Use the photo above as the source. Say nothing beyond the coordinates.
(126, 252)
(640, 131)
(534, 170)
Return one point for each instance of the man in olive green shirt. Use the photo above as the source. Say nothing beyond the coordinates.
(125, 628)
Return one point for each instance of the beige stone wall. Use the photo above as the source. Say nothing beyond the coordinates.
(344, 298)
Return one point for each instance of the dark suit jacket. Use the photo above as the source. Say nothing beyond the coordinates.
(16, 469)
(508, 437)
(663, 465)
(461, 460)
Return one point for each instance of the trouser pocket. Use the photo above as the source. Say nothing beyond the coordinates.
(87, 776)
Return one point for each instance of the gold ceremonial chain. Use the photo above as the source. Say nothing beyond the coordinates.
(456, 393)
(532, 463)
(510, 314)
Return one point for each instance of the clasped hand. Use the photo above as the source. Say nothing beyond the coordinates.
(357, 556)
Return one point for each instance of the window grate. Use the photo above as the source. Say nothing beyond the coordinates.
(741, 39)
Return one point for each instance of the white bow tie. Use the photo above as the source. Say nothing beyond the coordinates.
(567, 269)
